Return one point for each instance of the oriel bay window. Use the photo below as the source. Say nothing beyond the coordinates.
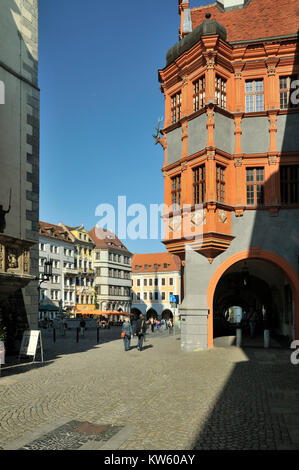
(199, 184)
(289, 184)
(220, 92)
(255, 186)
(286, 90)
(176, 190)
(199, 93)
(220, 183)
(254, 96)
(176, 104)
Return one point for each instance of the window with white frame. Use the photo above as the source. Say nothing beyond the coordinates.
(254, 95)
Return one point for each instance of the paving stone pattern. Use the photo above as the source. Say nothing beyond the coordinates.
(223, 398)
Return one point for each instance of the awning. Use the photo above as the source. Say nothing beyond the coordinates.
(103, 313)
(48, 308)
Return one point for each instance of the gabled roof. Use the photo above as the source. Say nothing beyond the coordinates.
(155, 262)
(258, 20)
(105, 239)
(54, 231)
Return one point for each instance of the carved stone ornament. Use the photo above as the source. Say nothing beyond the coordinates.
(273, 160)
(199, 217)
(184, 166)
(222, 216)
(185, 80)
(211, 155)
(2, 258)
(175, 223)
(238, 162)
(271, 69)
(26, 261)
(12, 259)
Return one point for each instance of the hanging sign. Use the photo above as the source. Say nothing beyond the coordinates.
(30, 341)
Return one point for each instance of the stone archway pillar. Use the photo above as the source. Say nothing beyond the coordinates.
(194, 313)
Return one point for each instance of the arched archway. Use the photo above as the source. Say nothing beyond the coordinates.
(227, 266)
(166, 314)
(151, 313)
(136, 312)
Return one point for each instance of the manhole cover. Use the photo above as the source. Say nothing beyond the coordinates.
(73, 435)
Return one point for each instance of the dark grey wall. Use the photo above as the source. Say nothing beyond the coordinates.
(174, 145)
(224, 133)
(288, 133)
(255, 137)
(198, 136)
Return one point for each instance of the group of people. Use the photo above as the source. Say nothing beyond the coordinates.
(160, 324)
(140, 330)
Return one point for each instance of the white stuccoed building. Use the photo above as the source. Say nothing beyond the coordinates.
(55, 245)
(112, 264)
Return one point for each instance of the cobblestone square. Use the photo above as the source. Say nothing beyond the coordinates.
(157, 399)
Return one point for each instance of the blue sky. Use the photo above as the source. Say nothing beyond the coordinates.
(100, 103)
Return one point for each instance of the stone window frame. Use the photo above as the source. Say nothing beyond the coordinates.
(254, 93)
(199, 184)
(176, 107)
(289, 184)
(221, 91)
(199, 93)
(253, 184)
(286, 91)
(176, 189)
(220, 183)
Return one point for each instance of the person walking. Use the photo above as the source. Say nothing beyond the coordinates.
(82, 326)
(152, 324)
(140, 331)
(127, 333)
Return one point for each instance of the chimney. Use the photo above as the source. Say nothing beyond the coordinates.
(227, 5)
(186, 23)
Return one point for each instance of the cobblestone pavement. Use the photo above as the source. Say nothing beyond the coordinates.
(160, 398)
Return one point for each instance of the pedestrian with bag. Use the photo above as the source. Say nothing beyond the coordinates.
(140, 331)
(127, 333)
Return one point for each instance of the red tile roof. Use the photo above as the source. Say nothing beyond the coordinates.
(106, 239)
(54, 231)
(260, 19)
(155, 263)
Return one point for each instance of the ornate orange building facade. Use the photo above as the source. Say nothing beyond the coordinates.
(231, 164)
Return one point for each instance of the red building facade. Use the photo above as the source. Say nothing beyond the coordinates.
(231, 143)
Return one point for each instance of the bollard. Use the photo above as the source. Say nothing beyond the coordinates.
(98, 334)
(78, 329)
(54, 335)
(239, 337)
(266, 339)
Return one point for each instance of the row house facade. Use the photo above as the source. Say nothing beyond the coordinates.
(155, 277)
(231, 163)
(112, 265)
(56, 245)
(83, 274)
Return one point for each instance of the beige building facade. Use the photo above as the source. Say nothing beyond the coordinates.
(155, 277)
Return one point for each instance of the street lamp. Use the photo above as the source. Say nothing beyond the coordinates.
(45, 276)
